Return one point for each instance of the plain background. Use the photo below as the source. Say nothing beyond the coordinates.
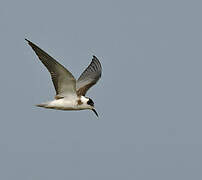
(149, 97)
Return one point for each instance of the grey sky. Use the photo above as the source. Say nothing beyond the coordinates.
(149, 97)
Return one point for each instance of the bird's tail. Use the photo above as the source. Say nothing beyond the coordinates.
(45, 105)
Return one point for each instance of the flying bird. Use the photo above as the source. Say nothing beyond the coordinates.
(70, 93)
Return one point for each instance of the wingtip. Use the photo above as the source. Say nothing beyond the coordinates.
(27, 40)
(30, 43)
(94, 57)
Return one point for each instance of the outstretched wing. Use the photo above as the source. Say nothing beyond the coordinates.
(64, 82)
(89, 77)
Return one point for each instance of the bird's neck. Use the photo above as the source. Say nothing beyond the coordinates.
(82, 100)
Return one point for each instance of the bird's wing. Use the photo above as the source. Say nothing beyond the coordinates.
(64, 82)
(89, 77)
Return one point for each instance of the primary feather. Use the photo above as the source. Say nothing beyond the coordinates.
(64, 82)
(89, 77)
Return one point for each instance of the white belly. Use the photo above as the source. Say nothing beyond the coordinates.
(63, 104)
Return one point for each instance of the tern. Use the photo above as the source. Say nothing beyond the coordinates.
(70, 93)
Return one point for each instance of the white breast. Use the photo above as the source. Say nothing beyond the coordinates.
(67, 104)
(63, 104)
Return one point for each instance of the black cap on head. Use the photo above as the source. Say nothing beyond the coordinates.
(90, 102)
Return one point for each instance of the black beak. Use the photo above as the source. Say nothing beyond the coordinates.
(95, 112)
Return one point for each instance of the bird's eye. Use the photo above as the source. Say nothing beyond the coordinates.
(90, 102)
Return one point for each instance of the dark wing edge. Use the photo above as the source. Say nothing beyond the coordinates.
(52, 65)
(89, 77)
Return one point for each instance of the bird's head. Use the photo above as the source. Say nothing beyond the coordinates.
(86, 103)
(90, 103)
